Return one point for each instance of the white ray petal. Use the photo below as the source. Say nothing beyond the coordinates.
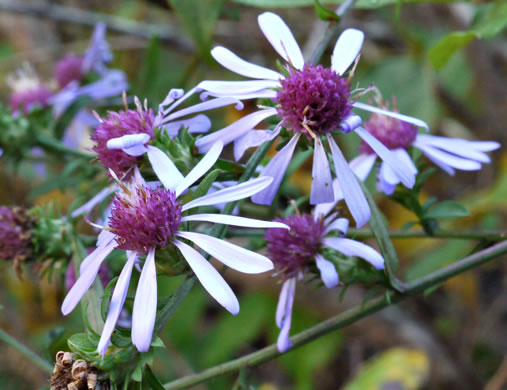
(327, 270)
(233, 88)
(396, 115)
(234, 221)
(322, 183)
(164, 168)
(356, 249)
(347, 48)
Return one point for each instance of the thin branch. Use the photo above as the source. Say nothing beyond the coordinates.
(34, 358)
(498, 235)
(343, 319)
(89, 18)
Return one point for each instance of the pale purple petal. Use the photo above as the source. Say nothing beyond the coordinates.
(361, 166)
(198, 124)
(387, 179)
(355, 249)
(276, 169)
(281, 38)
(253, 139)
(260, 94)
(350, 123)
(234, 221)
(174, 93)
(485, 146)
(404, 172)
(231, 255)
(448, 159)
(116, 305)
(205, 106)
(231, 61)
(405, 159)
(327, 270)
(234, 130)
(145, 305)
(233, 88)
(164, 168)
(322, 187)
(98, 53)
(351, 190)
(284, 319)
(401, 117)
(201, 168)
(209, 277)
(128, 141)
(85, 280)
(459, 147)
(88, 206)
(230, 194)
(347, 48)
(341, 225)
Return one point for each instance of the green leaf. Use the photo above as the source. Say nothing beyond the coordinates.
(157, 343)
(204, 186)
(137, 375)
(381, 234)
(152, 379)
(199, 18)
(68, 115)
(447, 209)
(324, 13)
(490, 19)
(447, 46)
(81, 345)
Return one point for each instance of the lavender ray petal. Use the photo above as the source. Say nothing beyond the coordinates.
(116, 305)
(128, 141)
(276, 169)
(234, 130)
(209, 277)
(234, 221)
(230, 194)
(459, 147)
(449, 159)
(87, 277)
(201, 168)
(322, 183)
(231, 255)
(205, 106)
(233, 88)
(279, 35)
(252, 139)
(283, 342)
(164, 168)
(198, 124)
(347, 48)
(356, 249)
(231, 61)
(327, 270)
(351, 190)
(401, 117)
(341, 225)
(145, 305)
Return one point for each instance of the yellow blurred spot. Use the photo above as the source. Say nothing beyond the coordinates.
(405, 368)
(465, 287)
(267, 386)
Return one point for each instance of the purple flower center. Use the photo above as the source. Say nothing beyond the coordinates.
(68, 69)
(314, 98)
(145, 218)
(293, 250)
(118, 124)
(26, 99)
(392, 132)
(15, 237)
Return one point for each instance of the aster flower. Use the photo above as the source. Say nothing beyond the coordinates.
(122, 138)
(397, 135)
(311, 100)
(294, 251)
(28, 90)
(145, 219)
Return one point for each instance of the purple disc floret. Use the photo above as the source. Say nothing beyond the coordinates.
(315, 97)
(293, 250)
(28, 98)
(68, 69)
(145, 218)
(392, 132)
(15, 236)
(118, 124)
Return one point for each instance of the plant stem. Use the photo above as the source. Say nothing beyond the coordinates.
(36, 359)
(344, 318)
(499, 235)
(331, 32)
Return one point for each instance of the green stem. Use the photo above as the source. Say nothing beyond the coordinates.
(331, 33)
(499, 235)
(36, 359)
(56, 146)
(343, 319)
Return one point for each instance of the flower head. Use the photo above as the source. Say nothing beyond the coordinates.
(27, 90)
(69, 69)
(294, 251)
(145, 219)
(314, 98)
(311, 100)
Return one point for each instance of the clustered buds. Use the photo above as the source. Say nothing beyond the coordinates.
(70, 373)
(15, 235)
